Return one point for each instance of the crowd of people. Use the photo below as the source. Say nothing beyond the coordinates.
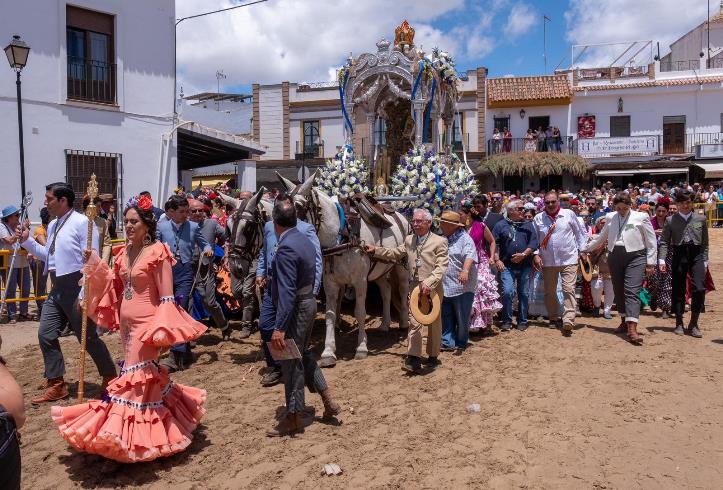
(535, 140)
(493, 262)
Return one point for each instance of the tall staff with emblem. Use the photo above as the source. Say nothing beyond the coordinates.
(90, 213)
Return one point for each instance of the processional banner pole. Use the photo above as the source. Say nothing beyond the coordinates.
(90, 212)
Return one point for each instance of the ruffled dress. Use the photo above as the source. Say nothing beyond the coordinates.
(486, 299)
(143, 415)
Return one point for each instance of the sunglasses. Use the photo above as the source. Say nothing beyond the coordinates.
(419, 221)
(194, 211)
(550, 202)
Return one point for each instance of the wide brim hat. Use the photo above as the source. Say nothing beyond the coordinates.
(9, 211)
(425, 309)
(450, 217)
(585, 267)
(106, 198)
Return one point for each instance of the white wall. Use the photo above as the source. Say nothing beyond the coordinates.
(689, 47)
(271, 121)
(702, 106)
(144, 58)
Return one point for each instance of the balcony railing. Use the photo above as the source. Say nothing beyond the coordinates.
(307, 152)
(693, 140)
(92, 81)
(715, 63)
(518, 145)
(679, 65)
(613, 72)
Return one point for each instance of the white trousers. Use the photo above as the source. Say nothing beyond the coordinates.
(600, 286)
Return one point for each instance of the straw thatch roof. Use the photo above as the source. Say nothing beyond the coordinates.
(540, 164)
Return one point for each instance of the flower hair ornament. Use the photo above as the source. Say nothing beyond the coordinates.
(141, 202)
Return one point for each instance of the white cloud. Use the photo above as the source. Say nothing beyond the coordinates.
(295, 40)
(521, 19)
(608, 21)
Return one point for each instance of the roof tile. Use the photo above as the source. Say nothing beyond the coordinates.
(520, 89)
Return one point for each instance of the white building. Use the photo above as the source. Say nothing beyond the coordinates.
(691, 51)
(98, 98)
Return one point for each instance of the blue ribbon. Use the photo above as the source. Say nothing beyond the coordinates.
(428, 113)
(342, 88)
(342, 221)
(438, 181)
(419, 79)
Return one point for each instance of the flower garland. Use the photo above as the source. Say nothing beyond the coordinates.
(344, 176)
(436, 184)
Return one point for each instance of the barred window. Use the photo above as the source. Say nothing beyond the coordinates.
(80, 165)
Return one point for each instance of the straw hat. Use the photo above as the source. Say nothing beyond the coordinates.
(585, 267)
(423, 310)
(450, 217)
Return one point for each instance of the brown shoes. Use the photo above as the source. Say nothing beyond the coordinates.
(56, 390)
(289, 425)
(331, 408)
(633, 335)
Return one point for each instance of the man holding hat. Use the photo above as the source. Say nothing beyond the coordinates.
(459, 281)
(20, 273)
(427, 259)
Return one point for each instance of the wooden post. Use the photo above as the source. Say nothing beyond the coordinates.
(90, 212)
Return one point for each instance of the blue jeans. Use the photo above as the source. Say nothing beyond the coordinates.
(520, 275)
(456, 313)
(182, 283)
(19, 278)
(267, 318)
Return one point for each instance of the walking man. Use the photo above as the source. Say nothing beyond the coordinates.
(268, 310)
(63, 255)
(561, 238)
(687, 232)
(291, 287)
(427, 260)
(181, 236)
(213, 233)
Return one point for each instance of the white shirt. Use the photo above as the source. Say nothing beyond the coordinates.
(686, 217)
(635, 232)
(20, 259)
(70, 243)
(566, 241)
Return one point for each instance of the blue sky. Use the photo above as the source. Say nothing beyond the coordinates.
(306, 40)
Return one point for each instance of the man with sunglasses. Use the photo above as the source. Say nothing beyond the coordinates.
(562, 238)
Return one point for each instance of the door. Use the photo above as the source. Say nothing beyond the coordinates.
(619, 126)
(537, 122)
(513, 183)
(673, 134)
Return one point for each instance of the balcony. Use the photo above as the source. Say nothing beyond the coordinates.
(309, 152)
(684, 65)
(612, 73)
(519, 145)
(91, 81)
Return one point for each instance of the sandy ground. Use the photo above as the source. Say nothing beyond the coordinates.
(591, 411)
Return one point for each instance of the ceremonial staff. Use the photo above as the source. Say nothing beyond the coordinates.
(90, 212)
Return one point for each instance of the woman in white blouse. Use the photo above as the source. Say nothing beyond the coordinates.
(633, 251)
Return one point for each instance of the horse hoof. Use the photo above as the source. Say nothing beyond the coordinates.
(360, 356)
(327, 362)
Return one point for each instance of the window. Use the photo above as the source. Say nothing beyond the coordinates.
(312, 138)
(80, 165)
(457, 131)
(501, 122)
(91, 71)
(619, 126)
(380, 132)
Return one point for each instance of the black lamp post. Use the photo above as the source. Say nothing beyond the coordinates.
(17, 52)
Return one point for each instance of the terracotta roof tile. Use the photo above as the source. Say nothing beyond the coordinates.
(650, 83)
(717, 18)
(525, 89)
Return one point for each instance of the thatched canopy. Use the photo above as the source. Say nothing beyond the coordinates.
(538, 164)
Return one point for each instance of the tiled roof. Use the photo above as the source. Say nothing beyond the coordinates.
(717, 18)
(503, 91)
(650, 83)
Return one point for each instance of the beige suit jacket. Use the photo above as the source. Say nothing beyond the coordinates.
(433, 253)
(104, 236)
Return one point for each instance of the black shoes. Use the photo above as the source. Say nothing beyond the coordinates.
(412, 365)
(432, 361)
(271, 378)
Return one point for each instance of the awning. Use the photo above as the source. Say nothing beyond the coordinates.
(712, 170)
(634, 171)
(199, 146)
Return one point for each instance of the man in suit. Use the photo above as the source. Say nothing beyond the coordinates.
(106, 212)
(181, 235)
(687, 232)
(291, 286)
(427, 260)
(63, 255)
(103, 231)
(267, 309)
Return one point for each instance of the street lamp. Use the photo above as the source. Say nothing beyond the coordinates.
(17, 52)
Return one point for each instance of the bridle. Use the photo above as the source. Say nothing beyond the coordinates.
(253, 234)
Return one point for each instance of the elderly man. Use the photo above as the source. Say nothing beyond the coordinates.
(562, 239)
(459, 281)
(205, 275)
(516, 241)
(427, 260)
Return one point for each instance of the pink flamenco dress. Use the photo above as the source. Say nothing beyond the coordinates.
(486, 299)
(143, 415)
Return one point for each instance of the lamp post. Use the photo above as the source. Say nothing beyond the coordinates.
(17, 52)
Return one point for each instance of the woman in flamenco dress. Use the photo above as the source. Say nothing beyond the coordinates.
(143, 415)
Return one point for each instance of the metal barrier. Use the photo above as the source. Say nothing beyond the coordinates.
(35, 275)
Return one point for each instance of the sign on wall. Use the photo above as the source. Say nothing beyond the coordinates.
(600, 147)
(709, 151)
(586, 126)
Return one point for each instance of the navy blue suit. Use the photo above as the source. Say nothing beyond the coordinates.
(291, 287)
